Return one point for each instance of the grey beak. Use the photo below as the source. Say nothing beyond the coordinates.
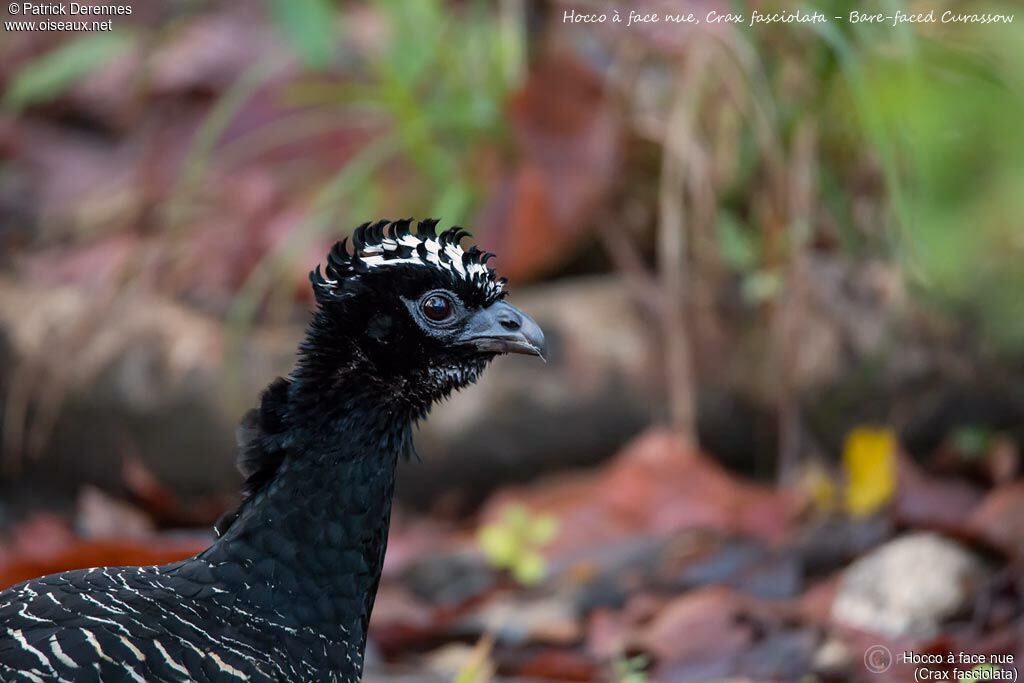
(503, 328)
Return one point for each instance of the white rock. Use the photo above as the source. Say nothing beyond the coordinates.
(907, 587)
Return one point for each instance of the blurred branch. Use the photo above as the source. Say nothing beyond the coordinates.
(748, 85)
(678, 155)
(626, 259)
(790, 312)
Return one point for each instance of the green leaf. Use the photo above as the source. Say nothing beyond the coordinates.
(308, 26)
(454, 202)
(517, 517)
(631, 670)
(736, 247)
(420, 37)
(54, 73)
(972, 442)
(761, 286)
(543, 530)
(500, 545)
(512, 543)
(529, 569)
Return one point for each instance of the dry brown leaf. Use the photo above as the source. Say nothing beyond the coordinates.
(999, 519)
(568, 138)
(700, 624)
(654, 486)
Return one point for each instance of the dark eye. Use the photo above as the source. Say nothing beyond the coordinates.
(437, 307)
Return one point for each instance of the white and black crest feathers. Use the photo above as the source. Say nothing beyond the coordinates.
(393, 243)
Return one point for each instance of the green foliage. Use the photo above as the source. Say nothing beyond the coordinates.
(201, 147)
(937, 109)
(972, 442)
(740, 249)
(309, 27)
(630, 669)
(946, 117)
(439, 78)
(56, 72)
(435, 79)
(737, 247)
(479, 666)
(513, 543)
(761, 286)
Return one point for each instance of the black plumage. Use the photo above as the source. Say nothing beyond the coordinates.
(286, 591)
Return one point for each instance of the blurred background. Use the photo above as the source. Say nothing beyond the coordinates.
(779, 268)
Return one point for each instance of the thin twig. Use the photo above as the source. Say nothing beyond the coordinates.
(679, 148)
(626, 258)
(791, 311)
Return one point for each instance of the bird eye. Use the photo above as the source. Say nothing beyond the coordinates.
(437, 308)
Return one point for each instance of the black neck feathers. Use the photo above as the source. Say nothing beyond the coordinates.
(319, 456)
(320, 462)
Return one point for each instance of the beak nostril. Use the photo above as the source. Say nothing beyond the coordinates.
(503, 328)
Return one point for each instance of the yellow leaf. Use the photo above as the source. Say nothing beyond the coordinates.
(543, 530)
(499, 544)
(869, 463)
(820, 488)
(478, 668)
(517, 517)
(529, 569)
(512, 543)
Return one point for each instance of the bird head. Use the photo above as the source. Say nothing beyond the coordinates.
(412, 313)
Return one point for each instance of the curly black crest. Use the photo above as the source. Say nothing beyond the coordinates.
(390, 243)
(352, 322)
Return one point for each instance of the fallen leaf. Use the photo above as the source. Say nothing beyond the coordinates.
(925, 501)
(815, 605)
(399, 619)
(701, 624)
(515, 620)
(869, 464)
(663, 487)
(1003, 460)
(469, 664)
(547, 663)
(46, 545)
(999, 519)
(655, 486)
(568, 138)
(514, 542)
(819, 486)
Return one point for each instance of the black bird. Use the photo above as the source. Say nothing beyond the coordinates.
(285, 592)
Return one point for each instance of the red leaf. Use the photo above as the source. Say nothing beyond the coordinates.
(45, 545)
(700, 624)
(655, 486)
(999, 520)
(926, 501)
(568, 138)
